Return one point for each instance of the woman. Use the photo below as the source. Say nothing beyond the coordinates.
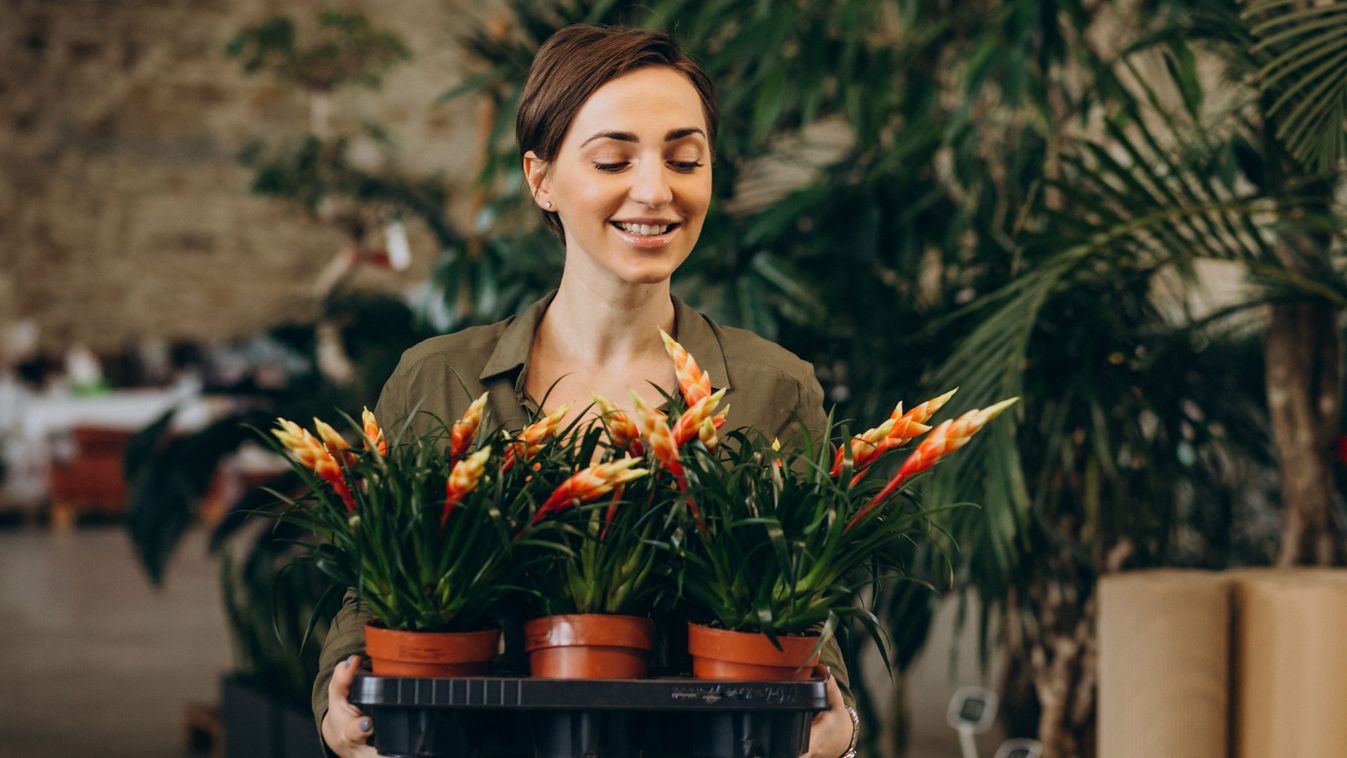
(615, 129)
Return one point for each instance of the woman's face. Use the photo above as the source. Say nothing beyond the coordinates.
(632, 179)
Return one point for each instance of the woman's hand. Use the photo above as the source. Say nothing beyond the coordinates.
(830, 735)
(345, 728)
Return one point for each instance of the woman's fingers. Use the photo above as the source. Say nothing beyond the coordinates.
(830, 733)
(358, 730)
(345, 728)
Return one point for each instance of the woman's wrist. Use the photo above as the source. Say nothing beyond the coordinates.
(855, 732)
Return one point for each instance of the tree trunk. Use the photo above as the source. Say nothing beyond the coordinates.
(1304, 388)
(1060, 639)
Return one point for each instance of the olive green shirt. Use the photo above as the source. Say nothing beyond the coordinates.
(767, 387)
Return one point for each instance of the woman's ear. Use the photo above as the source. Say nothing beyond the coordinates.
(535, 173)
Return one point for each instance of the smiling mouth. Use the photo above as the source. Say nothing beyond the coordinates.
(644, 230)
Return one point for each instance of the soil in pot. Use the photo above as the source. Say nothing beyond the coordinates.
(394, 652)
(589, 646)
(725, 654)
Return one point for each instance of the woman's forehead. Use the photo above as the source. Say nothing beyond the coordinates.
(650, 104)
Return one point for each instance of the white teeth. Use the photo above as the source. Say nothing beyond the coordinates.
(644, 230)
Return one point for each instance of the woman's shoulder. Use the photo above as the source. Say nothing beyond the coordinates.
(748, 354)
(439, 375)
(466, 350)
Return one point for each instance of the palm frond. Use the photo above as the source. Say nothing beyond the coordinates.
(1303, 52)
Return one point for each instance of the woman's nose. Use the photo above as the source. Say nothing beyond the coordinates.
(650, 187)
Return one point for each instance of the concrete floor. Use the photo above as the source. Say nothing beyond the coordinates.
(96, 661)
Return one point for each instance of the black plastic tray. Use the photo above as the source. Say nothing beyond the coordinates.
(553, 718)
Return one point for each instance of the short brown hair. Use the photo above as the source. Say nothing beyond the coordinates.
(579, 59)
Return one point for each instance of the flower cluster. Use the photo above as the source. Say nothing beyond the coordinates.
(435, 528)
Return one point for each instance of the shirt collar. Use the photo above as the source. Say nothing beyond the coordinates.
(693, 331)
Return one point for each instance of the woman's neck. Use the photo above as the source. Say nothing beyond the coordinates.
(606, 323)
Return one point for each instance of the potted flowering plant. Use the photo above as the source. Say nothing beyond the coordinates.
(428, 528)
(599, 584)
(776, 538)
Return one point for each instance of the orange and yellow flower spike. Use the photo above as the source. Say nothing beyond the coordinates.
(333, 439)
(657, 435)
(590, 483)
(707, 434)
(862, 447)
(694, 383)
(691, 421)
(463, 430)
(463, 479)
(924, 411)
(947, 437)
(374, 436)
(622, 431)
(534, 436)
(313, 454)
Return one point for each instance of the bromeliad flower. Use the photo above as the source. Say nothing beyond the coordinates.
(314, 455)
(374, 436)
(690, 422)
(899, 429)
(694, 383)
(948, 437)
(462, 480)
(590, 483)
(460, 436)
(533, 437)
(863, 447)
(622, 431)
(655, 430)
(334, 441)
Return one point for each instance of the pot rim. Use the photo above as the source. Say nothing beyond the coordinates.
(594, 629)
(752, 647)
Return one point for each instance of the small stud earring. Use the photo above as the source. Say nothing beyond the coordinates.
(547, 204)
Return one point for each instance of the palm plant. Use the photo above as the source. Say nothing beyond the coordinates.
(1133, 446)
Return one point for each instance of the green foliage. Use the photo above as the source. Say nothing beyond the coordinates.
(1302, 53)
(346, 49)
(381, 522)
(603, 556)
(777, 544)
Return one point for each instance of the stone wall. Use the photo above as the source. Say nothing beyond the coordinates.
(123, 211)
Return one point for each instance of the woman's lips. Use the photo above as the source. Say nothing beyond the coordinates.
(644, 242)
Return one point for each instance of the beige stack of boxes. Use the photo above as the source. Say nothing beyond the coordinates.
(1241, 664)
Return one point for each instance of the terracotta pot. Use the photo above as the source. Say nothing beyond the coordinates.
(430, 654)
(723, 654)
(589, 646)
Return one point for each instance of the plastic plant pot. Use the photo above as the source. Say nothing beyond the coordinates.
(393, 652)
(589, 646)
(721, 654)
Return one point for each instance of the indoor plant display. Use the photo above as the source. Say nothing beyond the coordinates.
(777, 539)
(428, 528)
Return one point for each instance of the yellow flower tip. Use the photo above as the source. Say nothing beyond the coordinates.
(897, 411)
(993, 411)
(329, 435)
(776, 445)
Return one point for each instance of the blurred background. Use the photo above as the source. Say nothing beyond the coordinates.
(1128, 213)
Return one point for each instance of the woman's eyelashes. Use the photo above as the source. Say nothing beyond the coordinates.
(683, 166)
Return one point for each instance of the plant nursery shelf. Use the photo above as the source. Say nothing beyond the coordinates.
(558, 718)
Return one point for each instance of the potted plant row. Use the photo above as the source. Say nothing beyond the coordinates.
(605, 521)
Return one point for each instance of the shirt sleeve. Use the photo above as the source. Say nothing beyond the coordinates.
(345, 637)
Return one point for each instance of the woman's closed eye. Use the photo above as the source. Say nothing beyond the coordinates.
(613, 168)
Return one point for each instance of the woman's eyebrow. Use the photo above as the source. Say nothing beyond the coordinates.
(672, 135)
